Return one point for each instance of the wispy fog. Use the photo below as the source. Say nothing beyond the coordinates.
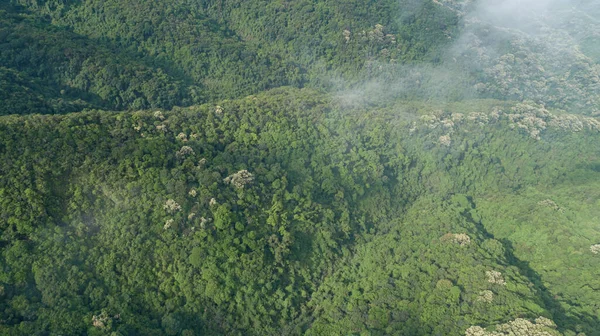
(547, 51)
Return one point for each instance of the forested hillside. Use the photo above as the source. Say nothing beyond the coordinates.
(145, 54)
(303, 167)
(46, 69)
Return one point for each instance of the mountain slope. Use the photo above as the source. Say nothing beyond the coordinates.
(323, 168)
(67, 72)
(160, 229)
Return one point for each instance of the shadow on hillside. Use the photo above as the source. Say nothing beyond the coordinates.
(580, 322)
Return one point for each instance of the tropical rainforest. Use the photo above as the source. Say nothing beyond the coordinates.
(339, 167)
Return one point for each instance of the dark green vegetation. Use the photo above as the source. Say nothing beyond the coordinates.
(344, 227)
(214, 203)
(146, 54)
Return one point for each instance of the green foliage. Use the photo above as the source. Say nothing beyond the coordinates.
(348, 226)
(57, 71)
(399, 205)
(164, 53)
(409, 281)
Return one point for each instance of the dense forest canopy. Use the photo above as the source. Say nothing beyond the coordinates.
(199, 167)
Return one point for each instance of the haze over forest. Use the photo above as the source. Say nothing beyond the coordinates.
(355, 167)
